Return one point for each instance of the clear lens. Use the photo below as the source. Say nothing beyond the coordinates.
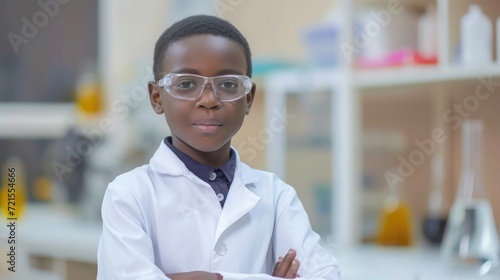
(229, 87)
(186, 87)
(190, 87)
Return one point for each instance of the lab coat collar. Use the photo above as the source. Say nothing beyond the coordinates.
(241, 199)
(164, 161)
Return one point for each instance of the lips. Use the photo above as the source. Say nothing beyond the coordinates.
(207, 125)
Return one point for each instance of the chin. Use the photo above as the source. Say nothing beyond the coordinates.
(208, 145)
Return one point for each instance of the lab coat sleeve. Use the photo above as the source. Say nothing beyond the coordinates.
(293, 231)
(125, 250)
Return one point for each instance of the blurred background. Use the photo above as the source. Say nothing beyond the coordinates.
(377, 111)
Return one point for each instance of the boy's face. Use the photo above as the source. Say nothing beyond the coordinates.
(205, 124)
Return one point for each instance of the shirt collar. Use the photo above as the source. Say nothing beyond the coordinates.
(164, 161)
(200, 170)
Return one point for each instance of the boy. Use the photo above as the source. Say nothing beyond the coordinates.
(196, 211)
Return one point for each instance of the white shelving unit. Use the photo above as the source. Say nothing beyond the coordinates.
(35, 120)
(368, 79)
(346, 85)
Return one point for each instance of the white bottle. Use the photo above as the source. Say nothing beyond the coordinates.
(476, 33)
(427, 32)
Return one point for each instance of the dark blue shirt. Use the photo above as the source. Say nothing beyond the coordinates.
(219, 179)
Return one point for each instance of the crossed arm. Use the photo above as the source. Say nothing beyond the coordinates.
(286, 267)
(123, 233)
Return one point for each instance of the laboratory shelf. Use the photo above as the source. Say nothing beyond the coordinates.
(409, 76)
(35, 120)
(302, 81)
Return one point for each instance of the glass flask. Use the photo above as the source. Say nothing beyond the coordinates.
(395, 223)
(471, 235)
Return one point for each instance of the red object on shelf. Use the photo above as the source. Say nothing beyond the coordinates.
(400, 57)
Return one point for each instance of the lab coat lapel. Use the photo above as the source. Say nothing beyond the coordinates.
(240, 199)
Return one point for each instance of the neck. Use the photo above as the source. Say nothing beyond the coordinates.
(215, 158)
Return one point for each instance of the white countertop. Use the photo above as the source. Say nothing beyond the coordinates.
(58, 233)
(414, 263)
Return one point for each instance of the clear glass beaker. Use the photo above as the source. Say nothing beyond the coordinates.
(471, 235)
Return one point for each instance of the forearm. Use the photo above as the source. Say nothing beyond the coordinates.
(195, 275)
(243, 276)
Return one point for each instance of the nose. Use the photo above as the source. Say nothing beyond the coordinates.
(208, 98)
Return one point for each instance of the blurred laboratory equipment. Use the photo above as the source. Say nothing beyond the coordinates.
(383, 39)
(380, 152)
(435, 219)
(476, 37)
(471, 234)
(322, 41)
(322, 44)
(82, 164)
(396, 223)
(88, 91)
(69, 162)
(13, 189)
(427, 33)
(100, 170)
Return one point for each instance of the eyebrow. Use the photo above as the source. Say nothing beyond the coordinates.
(227, 71)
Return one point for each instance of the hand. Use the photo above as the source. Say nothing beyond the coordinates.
(288, 266)
(195, 275)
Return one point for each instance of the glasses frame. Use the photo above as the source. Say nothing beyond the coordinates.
(166, 82)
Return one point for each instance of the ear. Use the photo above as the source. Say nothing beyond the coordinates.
(155, 97)
(249, 98)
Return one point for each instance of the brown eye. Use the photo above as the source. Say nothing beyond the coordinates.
(185, 85)
(229, 85)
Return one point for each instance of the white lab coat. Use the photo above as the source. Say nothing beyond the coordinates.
(160, 218)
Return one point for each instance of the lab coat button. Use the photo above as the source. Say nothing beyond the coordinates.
(221, 248)
(213, 176)
(220, 197)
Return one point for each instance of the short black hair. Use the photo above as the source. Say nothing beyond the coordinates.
(198, 25)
